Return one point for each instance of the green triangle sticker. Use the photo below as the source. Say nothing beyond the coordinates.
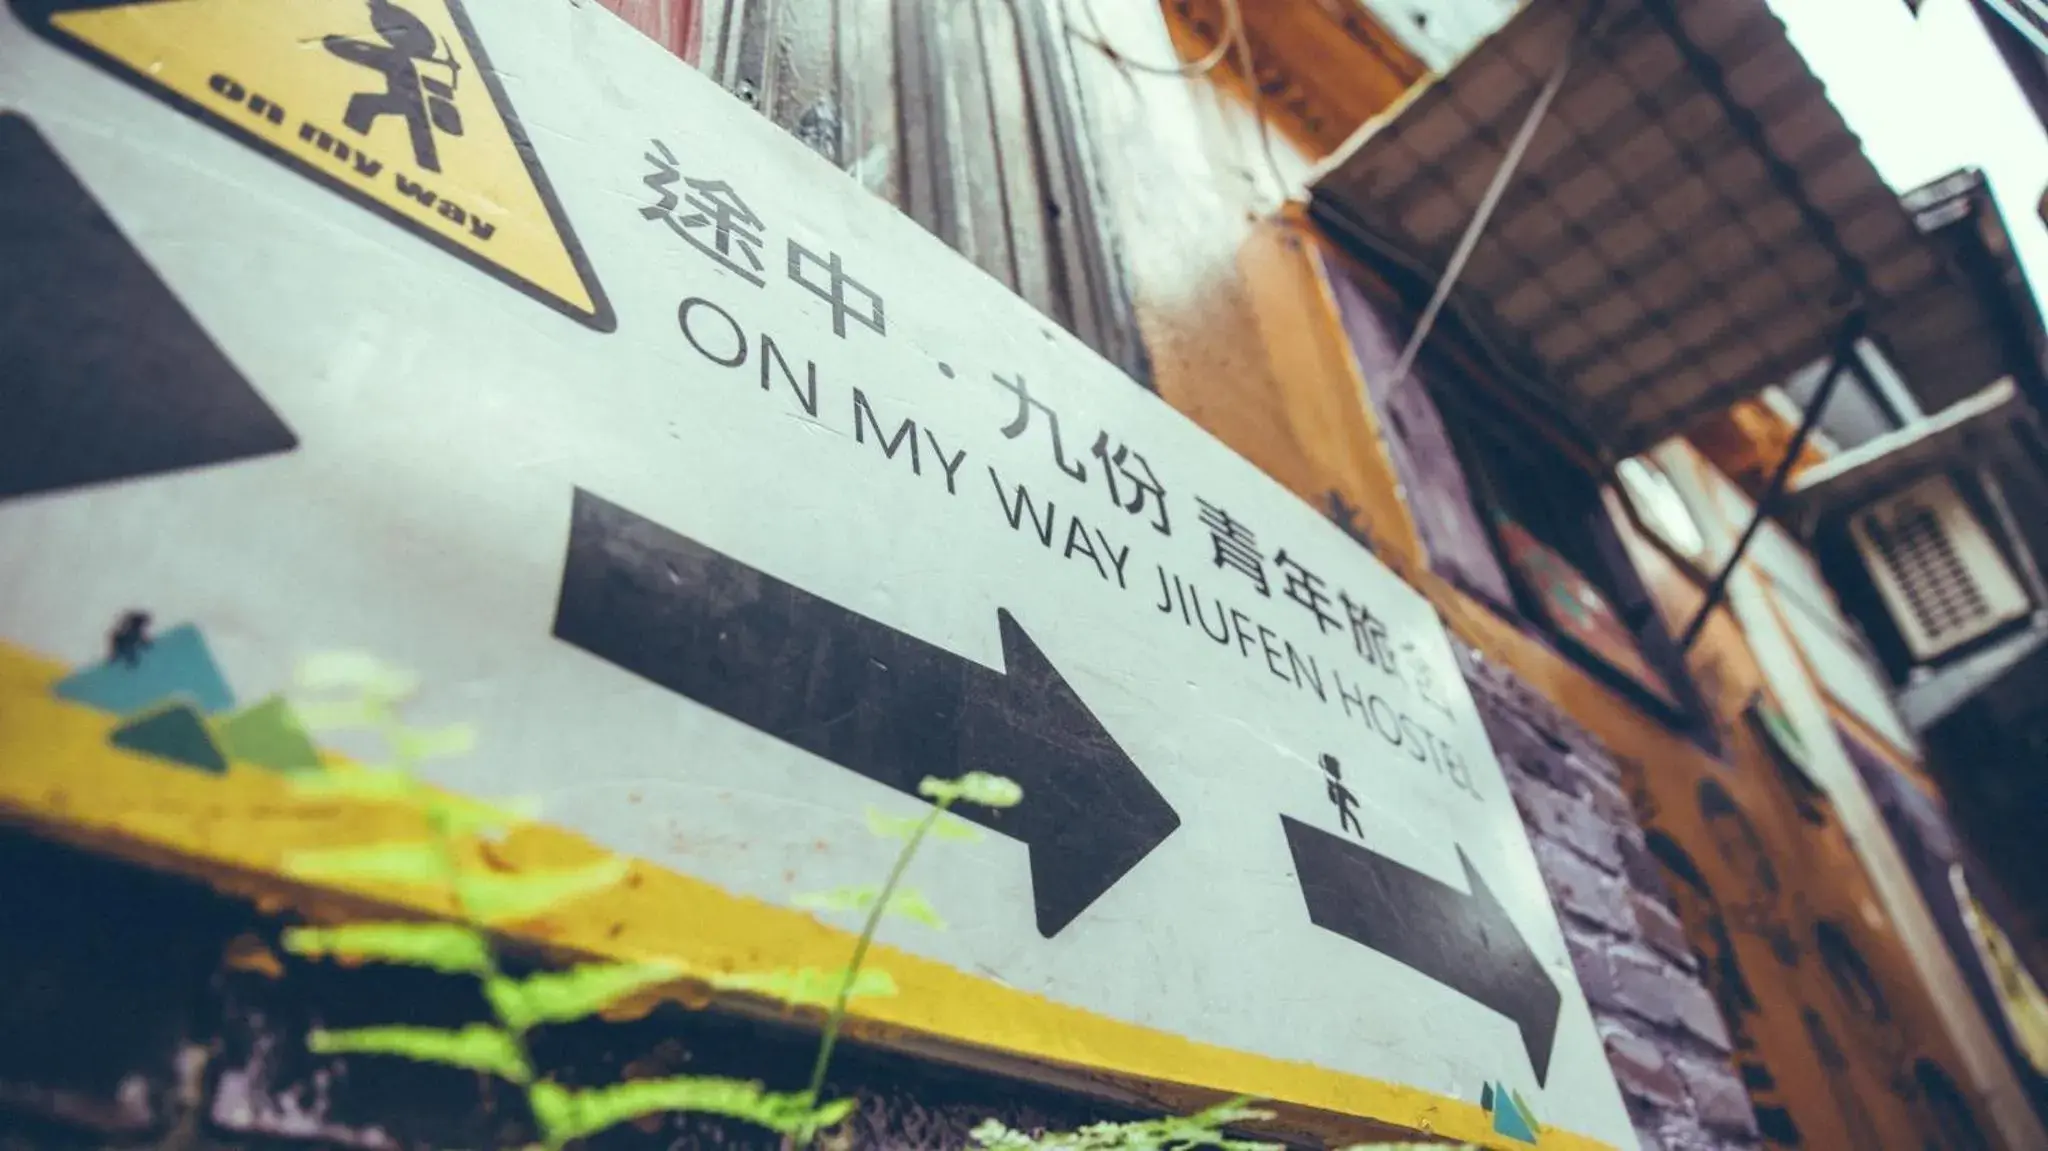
(268, 734)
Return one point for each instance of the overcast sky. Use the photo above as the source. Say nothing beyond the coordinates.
(1928, 96)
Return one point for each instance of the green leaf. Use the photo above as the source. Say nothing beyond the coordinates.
(368, 783)
(856, 898)
(808, 985)
(1173, 1133)
(974, 787)
(1412, 1147)
(445, 947)
(905, 902)
(356, 671)
(395, 862)
(495, 898)
(572, 1114)
(826, 1116)
(476, 1047)
(949, 827)
(336, 714)
(580, 992)
(414, 744)
(912, 905)
(997, 1136)
(461, 815)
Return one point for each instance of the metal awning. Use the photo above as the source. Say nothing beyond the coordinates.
(1691, 222)
(1951, 344)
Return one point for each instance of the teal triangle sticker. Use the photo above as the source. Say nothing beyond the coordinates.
(1508, 1119)
(174, 665)
(176, 734)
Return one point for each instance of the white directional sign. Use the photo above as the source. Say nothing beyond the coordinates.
(728, 504)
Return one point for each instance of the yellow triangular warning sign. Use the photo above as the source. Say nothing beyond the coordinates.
(392, 103)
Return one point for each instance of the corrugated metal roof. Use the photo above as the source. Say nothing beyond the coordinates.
(1692, 222)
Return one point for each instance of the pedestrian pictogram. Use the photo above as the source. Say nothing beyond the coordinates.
(129, 639)
(395, 107)
(1343, 798)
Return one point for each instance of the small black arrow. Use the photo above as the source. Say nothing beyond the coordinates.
(1465, 942)
(866, 696)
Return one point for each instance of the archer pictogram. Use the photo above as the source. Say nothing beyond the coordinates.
(424, 100)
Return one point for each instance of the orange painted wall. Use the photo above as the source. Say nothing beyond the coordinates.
(1818, 990)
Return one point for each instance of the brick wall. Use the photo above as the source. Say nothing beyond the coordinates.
(1664, 1033)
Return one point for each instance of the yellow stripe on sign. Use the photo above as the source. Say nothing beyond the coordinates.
(61, 776)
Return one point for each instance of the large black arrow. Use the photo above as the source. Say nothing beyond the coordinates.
(866, 696)
(1464, 941)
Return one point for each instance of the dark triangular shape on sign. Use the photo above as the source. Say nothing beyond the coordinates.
(106, 376)
(177, 734)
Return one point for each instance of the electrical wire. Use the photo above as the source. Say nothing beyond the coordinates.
(1510, 162)
(1096, 38)
(1473, 327)
(1234, 38)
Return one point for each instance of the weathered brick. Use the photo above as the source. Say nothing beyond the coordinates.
(1595, 971)
(1609, 798)
(1571, 821)
(1643, 871)
(1523, 751)
(1470, 661)
(1584, 890)
(1679, 1131)
(1662, 930)
(1575, 736)
(1629, 951)
(1698, 1013)
(1647, 987)
(1641, 1069)
(1718, 1097)
(1512, 700)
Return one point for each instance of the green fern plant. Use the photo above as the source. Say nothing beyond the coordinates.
(1174, 1133)
(892, 898)
(358, 692)
(1202, 1129)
